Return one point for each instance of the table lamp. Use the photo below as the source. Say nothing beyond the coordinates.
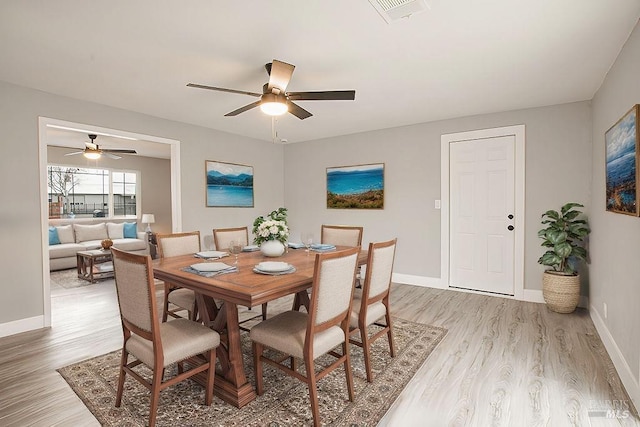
(148, 219)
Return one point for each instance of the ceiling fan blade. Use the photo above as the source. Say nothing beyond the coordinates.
(119, 151)
(280, 75)
(111, 156)
(327, 95)
(298, 111)
(221, 89)
(74, 153)
(243, 109)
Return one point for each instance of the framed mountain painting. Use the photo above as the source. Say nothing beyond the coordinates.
(621, 142)
(228, 185)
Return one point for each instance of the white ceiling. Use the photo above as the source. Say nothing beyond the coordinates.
(457, 59)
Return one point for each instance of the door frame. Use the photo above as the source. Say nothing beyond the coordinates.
(176, 207)
(518, 131)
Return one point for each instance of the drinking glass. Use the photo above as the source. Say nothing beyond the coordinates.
(235, 247)
(307, 240)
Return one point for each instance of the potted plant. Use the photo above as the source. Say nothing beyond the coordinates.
(562, 236)
(271, 233)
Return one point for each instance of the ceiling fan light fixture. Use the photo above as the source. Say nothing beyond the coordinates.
(92, 155)
(274, 105)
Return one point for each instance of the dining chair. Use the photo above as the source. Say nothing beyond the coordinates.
(175, 244)
(308, 336)
(373, 303)
(154, 344)
(341, 235)
(222, 238)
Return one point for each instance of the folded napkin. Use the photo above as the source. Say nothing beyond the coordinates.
(210, 273)
(211, 254)
(320, 247)
(251, 248)
(294, 245)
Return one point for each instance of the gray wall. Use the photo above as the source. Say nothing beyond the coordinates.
(21, 283)
(155, 181)
(615, 239)
(558, 170)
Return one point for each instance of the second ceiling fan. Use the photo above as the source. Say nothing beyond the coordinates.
(275, 100)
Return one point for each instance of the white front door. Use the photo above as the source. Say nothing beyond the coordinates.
(482, 214)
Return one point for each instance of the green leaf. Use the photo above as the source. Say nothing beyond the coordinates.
(570, 206)
(563, 249)
(551, 214)
(557, 237)
(550, 258)
(579, 252)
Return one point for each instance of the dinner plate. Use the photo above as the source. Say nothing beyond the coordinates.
(251, 248)
(211, 254)
(210, 266)
(273, 266)
(291, 269)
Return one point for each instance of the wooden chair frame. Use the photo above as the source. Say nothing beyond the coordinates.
(365, 340)
(157, 384)
(168, 287)
(312, 377)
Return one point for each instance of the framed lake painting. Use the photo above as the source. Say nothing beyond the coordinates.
(621, 142)
(229, 185)
(356, 187)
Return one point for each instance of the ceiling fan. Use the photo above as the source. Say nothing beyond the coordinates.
(275, 100)
(93, 151)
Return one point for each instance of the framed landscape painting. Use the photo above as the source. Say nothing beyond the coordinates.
(621, 142)
(356, 187)
(228, 185)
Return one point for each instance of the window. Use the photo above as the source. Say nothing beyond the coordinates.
(85, 193)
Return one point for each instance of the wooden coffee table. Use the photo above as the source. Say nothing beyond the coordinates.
(94, 265)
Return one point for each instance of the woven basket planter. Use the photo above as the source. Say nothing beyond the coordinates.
(561, 292)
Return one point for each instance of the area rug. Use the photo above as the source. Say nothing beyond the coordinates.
(68, 279)
(285, 401)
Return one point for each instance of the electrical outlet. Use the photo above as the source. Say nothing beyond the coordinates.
(604, 309)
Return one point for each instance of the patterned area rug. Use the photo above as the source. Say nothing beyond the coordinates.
(69, 279)
(285, 401)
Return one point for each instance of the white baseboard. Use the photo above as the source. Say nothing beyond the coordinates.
(627, 376)
(22, 325)
(535, 295)
(409, 279)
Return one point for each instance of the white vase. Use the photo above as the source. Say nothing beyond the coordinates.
(272, 248)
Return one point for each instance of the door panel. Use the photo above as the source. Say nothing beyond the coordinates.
(482, 196)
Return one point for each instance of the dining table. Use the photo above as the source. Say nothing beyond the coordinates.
(219, 295)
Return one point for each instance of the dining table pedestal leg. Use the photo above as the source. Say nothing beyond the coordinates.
(231, 383)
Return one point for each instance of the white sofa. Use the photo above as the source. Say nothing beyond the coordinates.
(75, 237)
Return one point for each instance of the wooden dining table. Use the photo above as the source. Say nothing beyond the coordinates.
(219, 296)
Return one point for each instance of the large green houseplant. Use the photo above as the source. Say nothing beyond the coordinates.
(562, 236)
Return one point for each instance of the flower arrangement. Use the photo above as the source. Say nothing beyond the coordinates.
(272, 227)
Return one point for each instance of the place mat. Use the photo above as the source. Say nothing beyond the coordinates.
(210, 273)
(285, 401)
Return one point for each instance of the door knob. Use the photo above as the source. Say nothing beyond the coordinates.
(510, 216)
(510, 228)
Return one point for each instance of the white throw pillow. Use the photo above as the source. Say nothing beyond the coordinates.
(90, 232)
(115, 230)
(65, 234)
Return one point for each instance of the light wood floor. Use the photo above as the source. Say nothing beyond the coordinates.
(502, 363)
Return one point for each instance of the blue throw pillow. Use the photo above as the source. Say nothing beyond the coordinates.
(53, 236)
(130, 230)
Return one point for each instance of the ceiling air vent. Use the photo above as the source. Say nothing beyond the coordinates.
(394, 10)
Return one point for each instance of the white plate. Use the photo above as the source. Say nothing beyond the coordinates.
(273, 266)
(251, 248)
(212, 254)
(210, 266)
(291, 269)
